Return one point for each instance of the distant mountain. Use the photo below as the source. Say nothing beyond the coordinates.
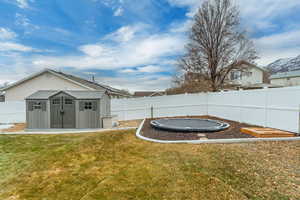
(284, 65)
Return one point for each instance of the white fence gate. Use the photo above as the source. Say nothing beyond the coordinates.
(276, 108)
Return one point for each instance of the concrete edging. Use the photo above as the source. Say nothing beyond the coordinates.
(212, 141)
(49, 132)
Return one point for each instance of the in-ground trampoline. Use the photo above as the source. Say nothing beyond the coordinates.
(189, 124)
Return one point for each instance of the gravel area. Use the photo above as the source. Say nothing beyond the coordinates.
(15, 128)
(232, 132)
(129, 123)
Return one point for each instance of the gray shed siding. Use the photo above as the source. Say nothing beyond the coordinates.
(89, 111)
(105, 106)
(88, 118)
(37, 118)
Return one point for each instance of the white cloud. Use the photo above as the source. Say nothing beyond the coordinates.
(128, 71)
(93, 50)
(260, 14)
(23, 3)
(115, 5)
(152, 52)
(8, 43)
(7, 34)
(151, 69)
(263, 9)
(256, 13)
(145, 69)
(125, 33)
(141, 50)
(12, 46)
(24, 22)
(281, 45)
(180, 27)
(119, 12)
(136, 83)
(193, 5)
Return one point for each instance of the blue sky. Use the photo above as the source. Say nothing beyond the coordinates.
(129, 44)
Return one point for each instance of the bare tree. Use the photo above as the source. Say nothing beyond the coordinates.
(216, 43)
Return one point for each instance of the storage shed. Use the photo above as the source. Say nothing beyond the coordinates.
(47, 109)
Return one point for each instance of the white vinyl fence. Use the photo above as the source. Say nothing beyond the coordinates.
(276, 108)
(12, 112)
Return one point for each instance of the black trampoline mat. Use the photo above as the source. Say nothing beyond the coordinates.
(189, 124)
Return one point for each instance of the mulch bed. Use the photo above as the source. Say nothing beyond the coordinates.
(232, 132)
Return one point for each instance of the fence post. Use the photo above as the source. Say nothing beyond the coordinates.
(206, 98)
(241, 106)
(299, 121)
(151, 111)
(266, 106)
(146, 106)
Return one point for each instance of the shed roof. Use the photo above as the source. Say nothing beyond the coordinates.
(78, 94)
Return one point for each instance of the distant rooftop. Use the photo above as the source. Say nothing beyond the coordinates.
(286, 75)
(148, 93)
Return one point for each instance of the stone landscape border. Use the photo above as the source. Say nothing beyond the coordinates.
(61, 131)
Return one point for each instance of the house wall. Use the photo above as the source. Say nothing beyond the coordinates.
(46, 81)
(292, 81)
(255, 77)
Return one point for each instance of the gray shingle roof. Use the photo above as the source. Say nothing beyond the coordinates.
(45, 94)
(94, 85)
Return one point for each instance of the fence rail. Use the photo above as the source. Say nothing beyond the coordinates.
(277, 108)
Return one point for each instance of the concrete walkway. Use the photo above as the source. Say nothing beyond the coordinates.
(62, 131)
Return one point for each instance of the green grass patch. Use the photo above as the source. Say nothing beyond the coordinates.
(117, 165)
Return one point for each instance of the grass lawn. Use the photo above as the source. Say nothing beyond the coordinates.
(117, 165)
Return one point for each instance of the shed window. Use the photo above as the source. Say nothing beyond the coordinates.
(248, 74)
(68, 101)
(88, 105)
(56, 101)
(37, 106)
